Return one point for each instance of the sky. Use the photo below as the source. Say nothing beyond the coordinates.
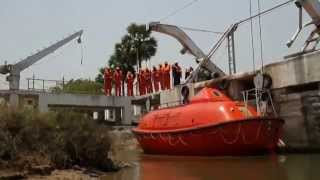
(27, 26)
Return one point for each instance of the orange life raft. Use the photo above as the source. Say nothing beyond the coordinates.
(211, 124)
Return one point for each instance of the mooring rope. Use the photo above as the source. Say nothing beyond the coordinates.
(170, 142)
(182, 141)
(236, 137)
(244, 139)
(163, 139)
(152, 137)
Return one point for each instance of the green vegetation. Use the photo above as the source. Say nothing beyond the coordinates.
(60, 139)
(80, 86)
(136, 46)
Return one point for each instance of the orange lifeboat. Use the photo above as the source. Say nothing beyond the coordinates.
(211, 124)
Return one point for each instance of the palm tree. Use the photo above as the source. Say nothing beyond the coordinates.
(143, 46)
(136, 46)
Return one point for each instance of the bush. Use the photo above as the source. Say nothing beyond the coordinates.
(64, 138)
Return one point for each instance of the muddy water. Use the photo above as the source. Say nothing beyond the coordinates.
(275, 167)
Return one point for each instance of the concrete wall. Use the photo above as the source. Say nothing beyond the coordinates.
(45, 100)
(301, 112)
(173, 96)
(295, 71)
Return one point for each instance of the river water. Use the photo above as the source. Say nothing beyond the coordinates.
(271, 167)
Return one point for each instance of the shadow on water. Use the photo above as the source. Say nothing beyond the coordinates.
(276, 167)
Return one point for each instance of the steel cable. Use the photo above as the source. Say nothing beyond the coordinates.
(178, 10)
(260, 35)
(252, 40)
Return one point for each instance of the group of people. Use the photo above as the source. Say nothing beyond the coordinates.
(148, 81)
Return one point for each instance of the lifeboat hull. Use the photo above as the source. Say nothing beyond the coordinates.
(242, 137)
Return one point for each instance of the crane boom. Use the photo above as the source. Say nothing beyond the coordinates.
(188, 46)
(23, 64)
(312, 7)
(14, 70)
(174, 31)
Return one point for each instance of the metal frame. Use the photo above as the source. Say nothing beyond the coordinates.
(257, 94)
(231, 52)
(312, 7)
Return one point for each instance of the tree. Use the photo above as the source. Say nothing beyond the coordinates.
(99, 78)
(136, 45)
(80, 86)
(142, 45)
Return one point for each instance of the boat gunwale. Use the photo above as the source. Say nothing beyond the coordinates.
(199, 127)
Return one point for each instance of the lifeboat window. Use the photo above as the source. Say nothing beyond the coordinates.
(216, 93)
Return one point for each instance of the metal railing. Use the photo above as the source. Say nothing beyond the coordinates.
(44, 85)
(262, 98)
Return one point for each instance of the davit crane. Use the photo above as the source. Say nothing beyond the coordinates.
(14, 70)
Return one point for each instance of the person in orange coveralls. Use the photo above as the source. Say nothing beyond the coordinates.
(161, 77)
(142, 83)
(166, 75)
(156, 78)
(149, 81)
(107, 81)
(138, 74)
(117, 77)
(129, 79)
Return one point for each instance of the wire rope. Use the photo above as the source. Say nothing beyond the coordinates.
(260, 35)
(264, 12)
(199, 30)
(252, 40)
(178, 10)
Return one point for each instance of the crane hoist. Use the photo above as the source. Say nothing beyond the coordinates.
(312, 7)
(14, 70)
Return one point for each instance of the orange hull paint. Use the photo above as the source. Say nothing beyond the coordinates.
(211, 124)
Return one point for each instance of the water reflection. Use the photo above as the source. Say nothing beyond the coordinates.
(292, 167)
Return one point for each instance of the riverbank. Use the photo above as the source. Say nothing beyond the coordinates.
(38, 144)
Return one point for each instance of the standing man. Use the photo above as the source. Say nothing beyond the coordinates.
(139, 81)
(156, 78)
(176, 73)
(142, 82)
(149, 81)
(117, 77)
(166, 72)
(107, 81)
(161, 73)
(129, 79)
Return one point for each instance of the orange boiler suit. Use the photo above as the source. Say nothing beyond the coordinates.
(156, 79)
(161, 72)
(130, 79)
(107, 81)
(139, 83)
(117, 77)
(166, 76)
(142, 83)
(149, 81)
